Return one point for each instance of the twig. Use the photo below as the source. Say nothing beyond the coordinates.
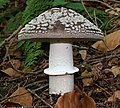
(98, 59)
(13, 65)
(87, 11)
(95, 19)
(115, 1)
(11, 36)
(10, 97)
(80, 47)
(100, 2)
(37, 82)
(105, 4)
(103, 89)
(114, 25)
(26, 80)
(7, 47)
(6, 53)
(32, 92)
(39, 88)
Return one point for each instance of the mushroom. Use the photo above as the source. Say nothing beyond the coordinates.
(61, 27)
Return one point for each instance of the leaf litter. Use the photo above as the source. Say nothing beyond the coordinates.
(102, 91)
(97, 81)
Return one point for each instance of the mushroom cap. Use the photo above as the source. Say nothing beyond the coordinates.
(60, 23)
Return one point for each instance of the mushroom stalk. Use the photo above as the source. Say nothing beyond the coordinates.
(61, 79)
(61, 84)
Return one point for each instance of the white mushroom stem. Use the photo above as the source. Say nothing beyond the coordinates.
(61, 84)
(61, 79)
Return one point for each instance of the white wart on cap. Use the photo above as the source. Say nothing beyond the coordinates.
(60, 23)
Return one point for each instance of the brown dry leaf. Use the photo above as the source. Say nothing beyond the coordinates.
(72, 100)
(22, 97)
(112, 41)
(11, 72)
(87, 102)
(17, 53)
(92, 74)
(12, 105)
(115, 70)
(69, 100)
(16, 63)
(115, 99)
(113, 61)
(116, 94)
(87, 80)
(116, 11)
(83, 54)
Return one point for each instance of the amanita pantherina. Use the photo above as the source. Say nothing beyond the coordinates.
(60, 27)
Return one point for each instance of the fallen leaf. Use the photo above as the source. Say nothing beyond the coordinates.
(12, 105)
(69, 100)
(17, 53)
(16, 63)
(115, 70)
(83, 54)
(114, 99)
(72, 100)
(116, 11)
(87, 78)
(112, 41)
(92, 74)
(117, 94)
(113, 61)
(87, 102)
(20, 97)
(11, 72)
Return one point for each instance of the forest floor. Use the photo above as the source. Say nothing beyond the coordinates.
(99, 81)
(98, 76)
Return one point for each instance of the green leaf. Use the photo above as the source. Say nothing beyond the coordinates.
(3, 3)
(27, 65)
(32, 50)
(59, 3)
(75, 6)
(20, 44)
(13, 23)
(29, 47)
(34, 8)
(5, 15)
(38, 53)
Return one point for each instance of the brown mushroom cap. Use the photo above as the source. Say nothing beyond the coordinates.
(60, 23)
